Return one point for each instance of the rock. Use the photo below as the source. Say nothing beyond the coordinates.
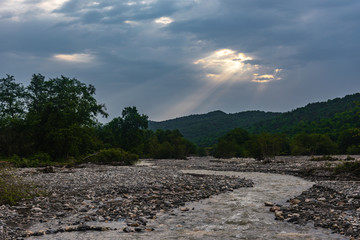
(279, 215)
(70, 229)
(84, 209)
(135, 224)
(268, 204)
(275, 208)
(48, 169)
(127, 230)
(137, 229)
(39, 233)
(184, 209)
(29, 233)
(36, 209)
(295, 201)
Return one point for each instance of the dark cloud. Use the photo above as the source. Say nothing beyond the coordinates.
(132, 60)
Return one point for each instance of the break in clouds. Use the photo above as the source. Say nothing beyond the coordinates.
(173, 58)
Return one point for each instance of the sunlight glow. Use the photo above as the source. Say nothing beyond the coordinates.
(164, 20)
(76, 57)
(131, 23)
(21, 10)
(227, 65)
(51, 5)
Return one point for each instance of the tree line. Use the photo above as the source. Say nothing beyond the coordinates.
(240, 143)
(55, 120)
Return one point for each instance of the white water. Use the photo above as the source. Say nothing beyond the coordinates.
(234, 215)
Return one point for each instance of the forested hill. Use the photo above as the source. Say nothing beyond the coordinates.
(312, 114)
(205, 129)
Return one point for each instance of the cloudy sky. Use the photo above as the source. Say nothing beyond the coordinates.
(171, 58)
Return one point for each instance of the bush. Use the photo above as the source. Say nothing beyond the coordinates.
(36, 160)
(113, 156)
(324, 158)
(349, 167)
(13, 188)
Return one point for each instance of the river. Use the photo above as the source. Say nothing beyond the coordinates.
(239, 214)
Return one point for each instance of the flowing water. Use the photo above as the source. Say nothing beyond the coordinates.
(240, 214)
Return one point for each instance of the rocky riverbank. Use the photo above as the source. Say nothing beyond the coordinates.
(76, 197)
(85, 197)
(333, 202)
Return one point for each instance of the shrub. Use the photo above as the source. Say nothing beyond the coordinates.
(36, 160)
(349, 167)
(324, 158)
(113, 156)
(13, 188)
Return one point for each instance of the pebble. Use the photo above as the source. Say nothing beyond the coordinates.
(138, 193)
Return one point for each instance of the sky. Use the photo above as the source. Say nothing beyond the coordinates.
(172, 58)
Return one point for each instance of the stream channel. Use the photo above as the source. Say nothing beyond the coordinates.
(239, 214)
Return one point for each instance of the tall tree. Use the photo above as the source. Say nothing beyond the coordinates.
(13, 138)
(11, 98)
(127, 131)
(61, 112)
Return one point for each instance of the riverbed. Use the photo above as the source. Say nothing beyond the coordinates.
(239, 214)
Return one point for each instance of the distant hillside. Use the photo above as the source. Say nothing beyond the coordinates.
(321, 117)
(205, 129)
(296, 120)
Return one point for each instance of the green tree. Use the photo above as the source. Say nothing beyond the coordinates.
(12, 94)
(127, 131)
(169, 144)
(267, 145)
(232, 144)
(13, 135)
(349, 141)
(312, 144)
(60, 115)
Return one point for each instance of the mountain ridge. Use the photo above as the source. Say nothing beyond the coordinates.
(205, 129)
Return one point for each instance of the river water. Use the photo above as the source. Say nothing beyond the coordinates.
(240, 214)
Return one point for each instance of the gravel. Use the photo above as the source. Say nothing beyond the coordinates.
(133, 195)
(93, 193)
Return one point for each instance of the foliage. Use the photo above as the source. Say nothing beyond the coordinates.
(61, 112)
(127, 131)
(54, 116)
(312, 144)
(11, 98)
(239, 143)
(329, 117)
(324, 158)
(349, 141)
(231, 144)
(267, 145)
(169, 144)
(349, 167)
(205, 129)
(13, 188)
(113, 156)
(37, 160)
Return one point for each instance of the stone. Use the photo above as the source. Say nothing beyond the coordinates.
(274, 208)
(268, 204)
(294, 201)
(37, 209)
(184, 209)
